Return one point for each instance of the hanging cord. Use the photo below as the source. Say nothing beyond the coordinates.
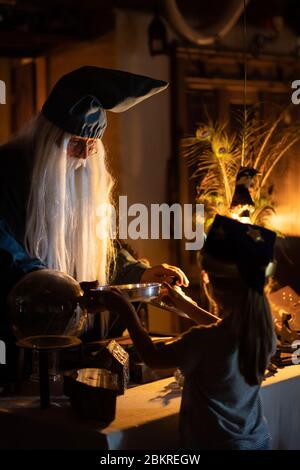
(245, 85)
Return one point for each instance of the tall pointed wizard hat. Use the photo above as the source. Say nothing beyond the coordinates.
(79, 100)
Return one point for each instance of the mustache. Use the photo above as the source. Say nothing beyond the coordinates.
(74, 164)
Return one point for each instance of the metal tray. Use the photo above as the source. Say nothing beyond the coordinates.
(137, 292)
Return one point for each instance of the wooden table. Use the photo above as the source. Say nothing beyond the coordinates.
(146, 418)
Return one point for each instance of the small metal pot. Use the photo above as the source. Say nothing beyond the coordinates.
(93, 393)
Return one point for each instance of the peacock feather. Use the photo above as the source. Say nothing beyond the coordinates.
(216, 155)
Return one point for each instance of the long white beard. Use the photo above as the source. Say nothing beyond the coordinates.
(61, 213)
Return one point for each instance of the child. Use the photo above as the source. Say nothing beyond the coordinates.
(223, 358)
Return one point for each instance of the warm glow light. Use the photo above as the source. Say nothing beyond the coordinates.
(243, 220)
(286, 221)
(241, 213)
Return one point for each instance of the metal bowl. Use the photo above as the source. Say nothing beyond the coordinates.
(137, 292)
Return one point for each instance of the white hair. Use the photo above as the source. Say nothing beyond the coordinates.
(61, 224)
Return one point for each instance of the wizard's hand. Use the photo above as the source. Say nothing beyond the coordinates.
(165, 273)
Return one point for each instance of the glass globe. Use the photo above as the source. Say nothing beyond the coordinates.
(46, 303)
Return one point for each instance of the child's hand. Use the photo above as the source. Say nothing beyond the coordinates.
(110, 299)
(175, 296)
(165, 273)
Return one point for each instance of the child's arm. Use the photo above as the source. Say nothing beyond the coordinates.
(152, 357)
(188, 306)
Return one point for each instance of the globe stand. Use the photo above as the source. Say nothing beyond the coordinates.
(44, 344)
